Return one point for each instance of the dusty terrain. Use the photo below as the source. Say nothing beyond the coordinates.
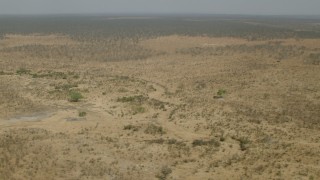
(169, 107)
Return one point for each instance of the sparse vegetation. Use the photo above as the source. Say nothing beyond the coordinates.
(138, 110)
(221, 93)
(131, 127)
(200, 142)
(222, 138)
(149, 85)
(132, 99)
(244, 143)
(158, 104)
(65, 87)
(82, 114)
(5, 73)
(22, 71)
(313, 59)
(50, 74)
(75, 96)
(154, 129)
(165, 171)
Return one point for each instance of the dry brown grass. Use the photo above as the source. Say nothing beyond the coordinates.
(151, 111)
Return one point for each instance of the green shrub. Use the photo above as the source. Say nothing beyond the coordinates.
(82, 114)
(75, 96)
(220, 93)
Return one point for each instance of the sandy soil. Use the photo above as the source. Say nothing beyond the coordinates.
(188, 112)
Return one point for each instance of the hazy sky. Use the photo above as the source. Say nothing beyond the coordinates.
(274, 7)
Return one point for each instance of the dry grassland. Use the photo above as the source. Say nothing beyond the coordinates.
(172, 107)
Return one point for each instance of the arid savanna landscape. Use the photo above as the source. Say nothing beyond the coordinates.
(114, 97)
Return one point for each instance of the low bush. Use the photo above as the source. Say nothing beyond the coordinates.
(22, 71)
(82, 114)
(154, 129)
(200, 142)
(75, 96)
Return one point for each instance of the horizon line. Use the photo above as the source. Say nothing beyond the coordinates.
(157, 14)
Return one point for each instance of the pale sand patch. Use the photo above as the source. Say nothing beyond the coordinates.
(175, 42)
(13, 40)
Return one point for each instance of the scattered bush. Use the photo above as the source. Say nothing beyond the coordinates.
(50, 74)
(134, 99)
(244, 142)
(165, 171)
(154, 129)
(131, 127)
(220, 93)
(158, 104)
(22, 71)
(222, 138)
(75, 96)
(82, 114)
(157, 141)
(138, 110)
(200, 142)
